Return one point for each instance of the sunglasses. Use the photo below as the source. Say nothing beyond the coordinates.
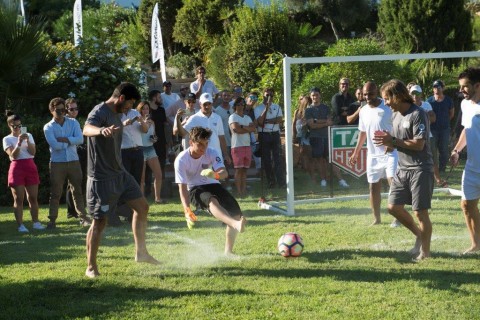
(16, 126)
(73, 109)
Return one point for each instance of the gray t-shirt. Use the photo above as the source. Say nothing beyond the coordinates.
(104, 154)
(414, 124)
(320, 112)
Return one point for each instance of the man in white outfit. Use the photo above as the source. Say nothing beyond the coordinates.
(381, 161)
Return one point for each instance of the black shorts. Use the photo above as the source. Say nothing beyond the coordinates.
(200, 197)
(319, 147)
(413, 187)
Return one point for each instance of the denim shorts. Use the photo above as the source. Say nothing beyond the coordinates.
(149, 153)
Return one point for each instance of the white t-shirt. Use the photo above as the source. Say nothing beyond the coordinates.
(11, 141)
(471, 122)
(274, 112)
(372, 119)
(240, 139)
(427, 107)
(214, 123)
(132, 134)
(209, 87)
(187, 169)
(169, 99)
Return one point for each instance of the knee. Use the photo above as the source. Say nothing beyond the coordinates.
(391, 209)
(468, 207)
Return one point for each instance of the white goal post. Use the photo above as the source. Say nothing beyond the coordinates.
(287, 88)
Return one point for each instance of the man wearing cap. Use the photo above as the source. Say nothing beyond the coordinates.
(202, 85)
(205, 118)
(416, 93)
(444, 110)
(236, 93)
(191, 107)
(269, 116)
(469, 81)
(341, 101)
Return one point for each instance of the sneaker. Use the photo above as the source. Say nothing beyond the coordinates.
(51, 225)
(395, 224)
(343, 183)
(22, 229)
(323, 183)
(38, 226)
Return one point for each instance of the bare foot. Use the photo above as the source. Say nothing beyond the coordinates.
(422, 256)
(376, 222)
(231, 255)
(146, 258)
(92, 273)
(415, 251)
(471, 250)
(240, 225)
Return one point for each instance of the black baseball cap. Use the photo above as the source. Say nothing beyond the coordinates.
(167, 83)
(190, 96)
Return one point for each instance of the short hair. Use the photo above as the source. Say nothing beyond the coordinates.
(141, 105)
(56, 102)
(315, 89)
(200, 133)
(237, 101)
(269, 89)
(153, 93)
(472, 74)
(199, 68)
(344, 79)
(12, 116)
(128, 90)
(70, 101)
(396, 91)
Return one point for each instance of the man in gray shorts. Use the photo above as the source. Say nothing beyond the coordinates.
(413, 182)
(108, 181)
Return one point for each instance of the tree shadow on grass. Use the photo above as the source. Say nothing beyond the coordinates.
(429, 278)
(54, 299)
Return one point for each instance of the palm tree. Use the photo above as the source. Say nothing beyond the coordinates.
(25, 60)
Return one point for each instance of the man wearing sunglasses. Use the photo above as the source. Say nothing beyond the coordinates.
(63, 134)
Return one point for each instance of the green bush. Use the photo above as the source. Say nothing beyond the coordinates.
(181, 65)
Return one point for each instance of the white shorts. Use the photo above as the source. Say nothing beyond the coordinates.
(379, 167)
(470, 185)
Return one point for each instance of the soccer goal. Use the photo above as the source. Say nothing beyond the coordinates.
(287, 87)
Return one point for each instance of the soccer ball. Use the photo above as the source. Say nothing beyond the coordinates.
(290, 245)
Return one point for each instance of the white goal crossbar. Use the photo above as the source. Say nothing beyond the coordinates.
(287, 87)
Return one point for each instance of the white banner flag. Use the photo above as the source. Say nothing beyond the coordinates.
(77, 22)
(157, 43)
(22, 9)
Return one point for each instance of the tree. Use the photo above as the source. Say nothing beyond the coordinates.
(199, 25)
(167, 14)
(255, 33)
(340, 14)
(425, 25)
(25, 58)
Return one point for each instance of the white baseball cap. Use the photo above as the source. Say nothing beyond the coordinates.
(416, 88)
(206, 97)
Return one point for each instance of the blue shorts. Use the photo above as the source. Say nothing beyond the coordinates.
(103, 196)
(319, 147)
(149, 153)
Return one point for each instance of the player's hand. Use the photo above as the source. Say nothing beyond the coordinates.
(190, 215)
(208, 173)
(352, 160)
(109, 131)
(454, 157)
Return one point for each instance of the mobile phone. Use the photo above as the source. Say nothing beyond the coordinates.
(23, 130)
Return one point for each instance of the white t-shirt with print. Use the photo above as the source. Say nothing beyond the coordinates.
(188, 169)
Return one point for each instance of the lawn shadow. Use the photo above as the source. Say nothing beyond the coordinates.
(86, 299)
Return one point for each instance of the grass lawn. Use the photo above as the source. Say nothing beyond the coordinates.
(348, 270)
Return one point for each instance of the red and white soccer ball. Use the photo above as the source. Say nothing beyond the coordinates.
(290, 245)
